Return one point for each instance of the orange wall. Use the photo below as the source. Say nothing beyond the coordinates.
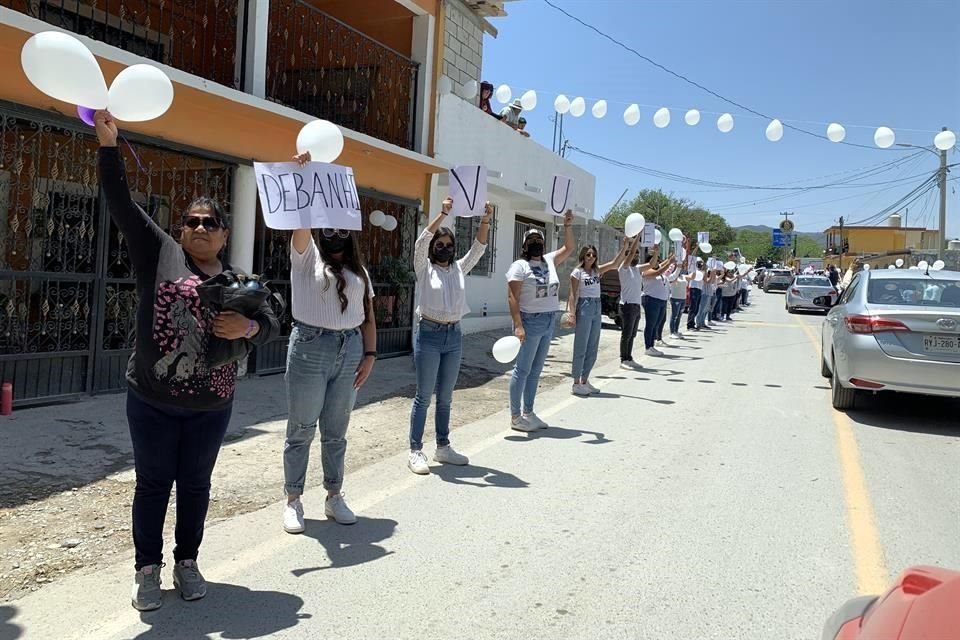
(210, 122)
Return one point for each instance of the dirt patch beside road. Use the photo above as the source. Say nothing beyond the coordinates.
(66, 477)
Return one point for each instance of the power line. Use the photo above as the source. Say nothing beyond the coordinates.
(696, 84)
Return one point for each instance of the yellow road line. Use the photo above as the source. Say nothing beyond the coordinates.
(871, 572)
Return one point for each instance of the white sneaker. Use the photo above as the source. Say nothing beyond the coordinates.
(521, 423)
(417, 462)
(535, 420)
(661, 343)
(580, 390)
(653, 351)
(680, 336)
(293, 517)
(592, 389)
(628, 365)
(447, 455)
(674, 336)
(336, 507)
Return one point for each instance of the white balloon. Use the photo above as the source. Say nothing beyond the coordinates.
(743, 269)
(634, 225)
(599, 109)
(675, 234)
(529, 100)
(377, 218)
(506, 349)
(938, 265)
(730, 265)
(470, 89)
(562, 104)
(60, 66)
(632, 115)
(725, 123)
(899, 262)
(884, 137)
(445, 85)
(866, 267)
(389, 223)
(945, 140)
(140, 93)
(706, 247)
(578, 107)
(503, 94)
(922, 265)
(836, 132)
(891, 267)
(657, 237)
(661, 118)
(774, 131)
(322, 139)
(692, 117)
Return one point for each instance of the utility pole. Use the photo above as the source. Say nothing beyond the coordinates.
(943, 205)
(842, 250)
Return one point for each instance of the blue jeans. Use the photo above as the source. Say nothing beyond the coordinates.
(321, 366)
(437, 351)
(676, 314)
(586, 340)
(706, 308)
(655, 310)
(533, 353)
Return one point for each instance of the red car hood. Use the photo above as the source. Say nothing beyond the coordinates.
(923, 605)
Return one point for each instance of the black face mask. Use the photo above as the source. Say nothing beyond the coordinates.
(443, 254)
(535, 249)
(336, 244)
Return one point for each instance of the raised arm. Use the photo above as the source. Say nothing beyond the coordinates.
(616, 263)
(569, 242)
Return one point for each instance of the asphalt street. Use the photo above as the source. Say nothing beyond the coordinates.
(712, 494)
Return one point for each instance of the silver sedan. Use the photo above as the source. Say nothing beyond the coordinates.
(894, 330)
(805, 289)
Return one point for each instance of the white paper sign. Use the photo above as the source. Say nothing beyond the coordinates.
(691, 264)
(649, 236)
(314, 196)
(703, 236)
(468, 188)
(678, 250)
(560, 195)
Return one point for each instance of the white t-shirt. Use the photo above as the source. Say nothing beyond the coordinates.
(441, 292)
(313, 294)
(631, 285)
(540, 291)
(697, 282)
(589, 283)
(678, 288)
(656, 287)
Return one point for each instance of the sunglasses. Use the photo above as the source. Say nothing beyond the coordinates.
(329, 233)
(208, 223)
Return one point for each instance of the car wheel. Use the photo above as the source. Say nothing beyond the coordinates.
(841, 397)
(824, 369)
(790, 309)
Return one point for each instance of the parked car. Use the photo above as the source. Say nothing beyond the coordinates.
(610, 296)
(893, 330)
(777, 279)
(805, 289)
(922, 604)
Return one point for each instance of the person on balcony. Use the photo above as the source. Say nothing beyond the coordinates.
(510, 115)
(533, 291)
(438, 345)
(178, 407)
(333, 347)
(522, 127)
(486, 93)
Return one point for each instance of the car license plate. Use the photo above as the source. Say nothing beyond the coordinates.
(941, 344)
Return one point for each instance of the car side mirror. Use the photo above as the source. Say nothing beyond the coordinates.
(824, 301)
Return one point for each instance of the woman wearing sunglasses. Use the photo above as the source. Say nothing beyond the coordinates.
(438, 346)
(178, 407)
(333, 346)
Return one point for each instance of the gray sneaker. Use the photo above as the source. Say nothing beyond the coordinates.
(188, 579)
(146, 594)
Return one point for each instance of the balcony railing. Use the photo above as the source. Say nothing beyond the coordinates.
(320, 66)
(196, 36)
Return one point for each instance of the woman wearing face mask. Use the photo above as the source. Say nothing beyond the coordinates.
(533, 290)
(678, 299)
(584, 305)
(731, 289)
(631, 298)
(486, 92)
(333, 347)
(438, 345)
(655, 296)
(178, 407)
(707, 299)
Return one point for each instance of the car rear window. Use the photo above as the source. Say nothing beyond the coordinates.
(813, 282)
(779, 274)
(915, 293)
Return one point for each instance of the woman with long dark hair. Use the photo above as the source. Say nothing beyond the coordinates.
(333, 347)
(438, 346)
(486, 92)
(583, 304)
(655, 296)
(178, 405)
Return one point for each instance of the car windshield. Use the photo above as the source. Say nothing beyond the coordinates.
(779, 273)
(915, 293)
(813, 282)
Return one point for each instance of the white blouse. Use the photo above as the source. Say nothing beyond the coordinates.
(442, 290)
(313, 292)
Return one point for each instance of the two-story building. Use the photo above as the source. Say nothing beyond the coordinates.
(845, 244)
(247, 75)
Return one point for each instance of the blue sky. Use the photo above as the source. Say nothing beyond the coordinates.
(857, 62)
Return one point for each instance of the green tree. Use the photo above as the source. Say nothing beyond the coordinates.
(755, 244)
(669, 211)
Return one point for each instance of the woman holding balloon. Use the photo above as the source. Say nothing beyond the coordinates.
(655, 295)
(533, 291)
(438, 345)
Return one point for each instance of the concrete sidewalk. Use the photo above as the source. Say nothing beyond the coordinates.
(66, 476)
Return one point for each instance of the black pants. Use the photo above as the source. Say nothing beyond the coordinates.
(729, 304)
(695, 295)
(172, 445)
(629, 323)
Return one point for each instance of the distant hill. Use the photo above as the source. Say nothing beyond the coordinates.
(816, 236)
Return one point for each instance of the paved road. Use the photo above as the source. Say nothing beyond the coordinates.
(713, 495)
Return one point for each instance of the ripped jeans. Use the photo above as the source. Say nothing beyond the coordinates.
(321, 365)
